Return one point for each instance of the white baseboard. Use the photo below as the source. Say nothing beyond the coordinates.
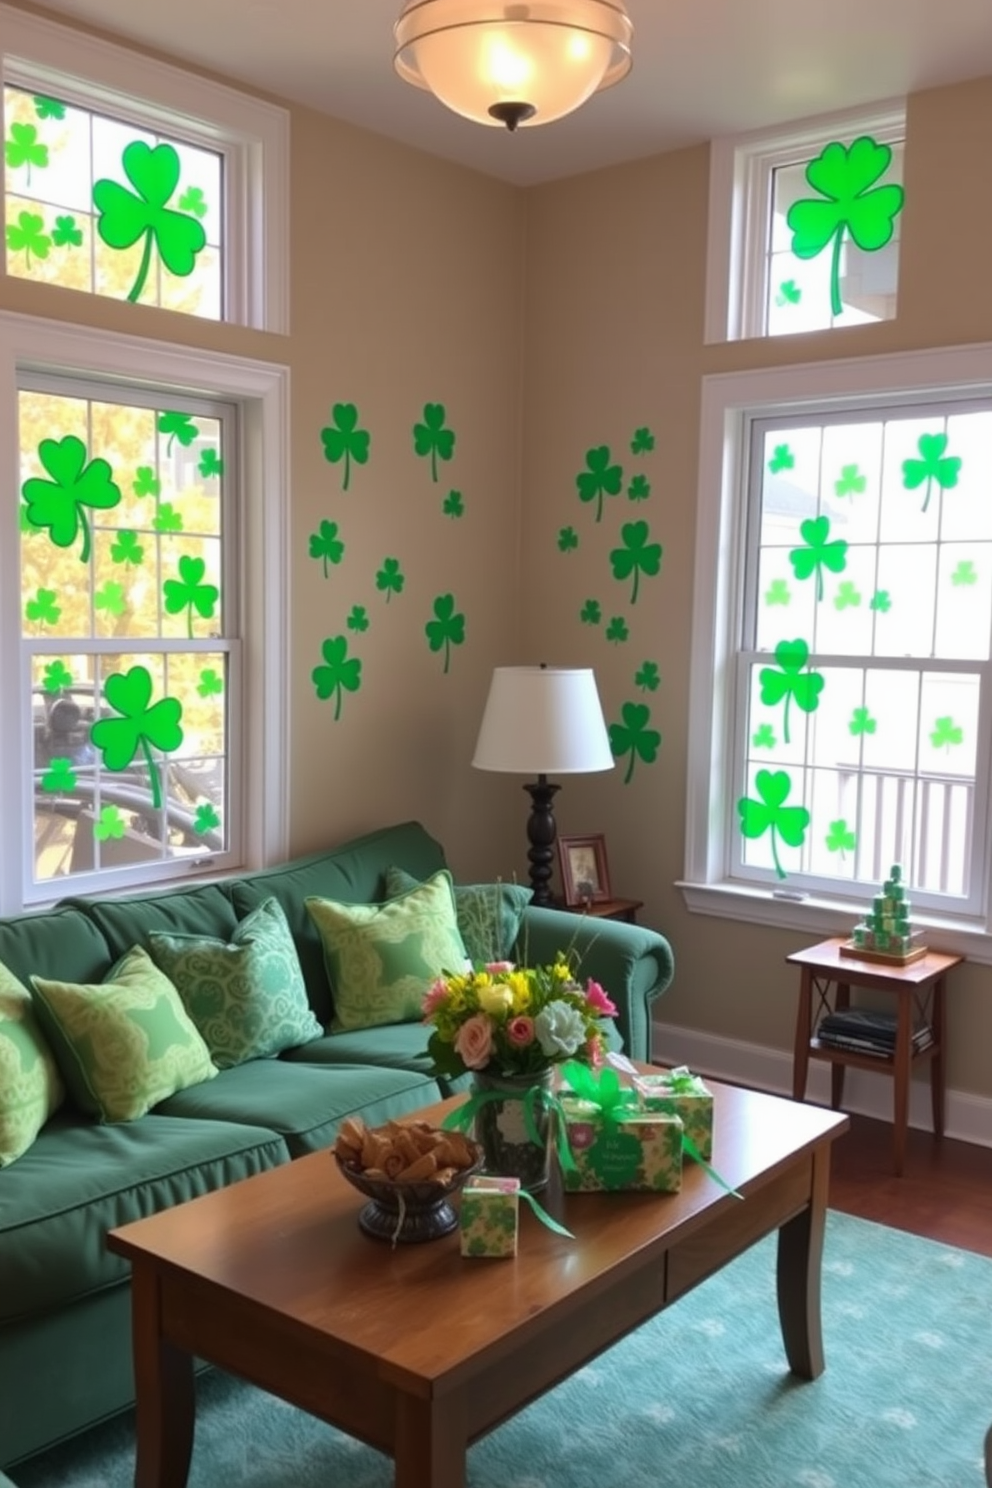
(966, 1117)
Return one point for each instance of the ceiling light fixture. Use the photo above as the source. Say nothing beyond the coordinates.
(513, 64)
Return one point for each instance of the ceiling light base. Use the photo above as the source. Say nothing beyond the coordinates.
(511, 114)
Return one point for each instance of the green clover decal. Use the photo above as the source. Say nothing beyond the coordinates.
(167, 519)
(193, 200)
(568, 539)
(647, 678)
(344, 440)
(632, 736)
(358, 620)
(48, 108)
(447, 629)
(778, 593)
(326, 546)
(964, 573)
(763, 737)
(617, 630)
(881, 601)
(126, 216)
(840, 838)
(862, 722)
(110, 824)
(28, 236)
(819, 553)
(432, 438)
(790, 681)
(848, 596)
(637, 555)
(639, 488)
(206, 819)
(57, 677)
(770, 814)
(453, 505)
(390, 578)
(66, 234)
(211, 465)
(57, 504)
(789, 293)
(24, 148)
(110, 597)
(127, 549)
(42, 610)
(210, 683)
(341, 673)
(189, 592)
(60, 778)
(945, 733)
(642, 442)
(850, 481)
(139, 726)
(933, 465)
(178, 426)
(591, 612)
(844, 176)
(599, 478)
(146, 482)
(782, 459)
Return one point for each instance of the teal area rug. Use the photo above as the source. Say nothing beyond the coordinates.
(699, 1396)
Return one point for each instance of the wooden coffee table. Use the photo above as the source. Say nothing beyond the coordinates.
(419, 1352)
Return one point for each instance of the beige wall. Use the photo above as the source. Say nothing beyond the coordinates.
(615, 295)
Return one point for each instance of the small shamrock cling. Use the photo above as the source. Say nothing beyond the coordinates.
(844, 176)
(632, 736)
(647, 677)
(840, 838)
(390, 578)
(636, 556)
(24, 148)
(28, 236)
(850, 481)
(964, 573)
(432, 438)
(57, 504)
(206, 819)
(340, 673)
(591, 612)
(189, 592)
(66, 234)
(599, 478)
(43, 610)
(178, 426)
(447, 629)
(818, 553)
(139, 726)
(782, 459)
(642, 443)
(617, 630)
(945, 733)
(933, 465)
(789, 681)
(60, 778)
(770, 814)
(326, 546)
(344, 440)
(57, 677)
(568, 539)
(125, 216)
(453, 504)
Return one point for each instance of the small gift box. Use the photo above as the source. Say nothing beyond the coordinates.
(622, 1148)
(489, 1216)
(682, 1094)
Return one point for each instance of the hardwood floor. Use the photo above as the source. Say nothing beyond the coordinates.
(945, 1192)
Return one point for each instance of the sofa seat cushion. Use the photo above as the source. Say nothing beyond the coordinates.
(396, 1045)
(305, 1104)
(80, 1180)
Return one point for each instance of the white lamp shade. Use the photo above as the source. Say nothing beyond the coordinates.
(543, 721)
(548, 54)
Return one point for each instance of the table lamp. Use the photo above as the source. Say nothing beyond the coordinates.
(543, 721)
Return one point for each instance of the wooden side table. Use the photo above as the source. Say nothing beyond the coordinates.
(608, 909)
(919, 990)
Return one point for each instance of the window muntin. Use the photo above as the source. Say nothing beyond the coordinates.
(126, 606)
(862, 674)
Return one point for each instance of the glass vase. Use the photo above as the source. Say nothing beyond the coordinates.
(505, 1124)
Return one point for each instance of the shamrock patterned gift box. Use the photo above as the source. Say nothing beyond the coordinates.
(489, 1216)
(684, 1095)
(621, 1149)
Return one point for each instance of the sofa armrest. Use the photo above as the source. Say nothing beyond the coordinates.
(634, 965)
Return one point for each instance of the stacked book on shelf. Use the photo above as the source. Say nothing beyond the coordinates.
(862, 1031)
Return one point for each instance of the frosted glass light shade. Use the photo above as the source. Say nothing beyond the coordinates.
(543, 721)
(508, 64)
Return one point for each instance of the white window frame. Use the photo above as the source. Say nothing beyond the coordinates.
(261, 392)
(253, 136)
(742, 168)
(728, 401)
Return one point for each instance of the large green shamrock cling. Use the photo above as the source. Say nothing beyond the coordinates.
(344, 440)
(57, 504)
(770, 814)
(819, 553)
(139, 726)
(844, 176)
(599, 478)
(790, 682)
(447, 629)
(127, 216)
(432, 438)
(340, 674)
(632, 736)
(933, 465)
(637, 555)
(189, 592)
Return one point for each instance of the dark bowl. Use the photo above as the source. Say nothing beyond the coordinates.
(407, 1213)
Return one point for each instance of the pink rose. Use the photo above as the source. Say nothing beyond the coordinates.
(433, 997)
(495, 968)
(474, 1042)
(598, 1000)
(520, 1031)
(594, 1051)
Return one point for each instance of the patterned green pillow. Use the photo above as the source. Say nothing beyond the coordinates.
(489, 915)
(123, 1044)
(381, 958)
(247, 998)
(30, 1087)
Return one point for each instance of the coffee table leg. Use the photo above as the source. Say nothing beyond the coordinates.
(800, 1257)
(430, 1443)
(164, 1394)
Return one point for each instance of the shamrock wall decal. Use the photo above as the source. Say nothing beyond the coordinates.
(432, 438)
(599, 478)
(326, 546)
(617, 631)
(789, 681)
(818, 553)
(933, 465)
(636, 556)
(591, 612)
(127, 216)
(447, 629)
(189, 592)
(453, 504)
(58, 504)
(568, 539)
(632, 736)
(390, 578)
(844, 176)
(770, 814)
(647, 677)
(344, 440)
(139, 726)
(642, 442)
(340, 673)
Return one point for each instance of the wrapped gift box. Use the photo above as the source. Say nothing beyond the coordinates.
(684, 1095)
(489, 1216)
(625, 1149)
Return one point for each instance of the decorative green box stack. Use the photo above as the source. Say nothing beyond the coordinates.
(681, 1094)
(887, 926)
(489, 1216)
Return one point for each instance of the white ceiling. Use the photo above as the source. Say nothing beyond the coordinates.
(701, 68)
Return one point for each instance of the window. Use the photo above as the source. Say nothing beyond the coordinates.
(805, 226)
(126, 177)
(846, 533)
(140, 568)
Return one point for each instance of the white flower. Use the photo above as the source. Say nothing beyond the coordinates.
(560, 1030)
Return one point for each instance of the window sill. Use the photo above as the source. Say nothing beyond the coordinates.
(824, 917)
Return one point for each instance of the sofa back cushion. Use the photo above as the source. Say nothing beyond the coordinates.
(58, 943)
(203, 909)
(31, 1089)
(352, 875)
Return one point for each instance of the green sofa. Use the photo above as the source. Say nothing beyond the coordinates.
(65, 1349)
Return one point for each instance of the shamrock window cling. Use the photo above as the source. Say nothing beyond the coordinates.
(128, 217)
(140, 725)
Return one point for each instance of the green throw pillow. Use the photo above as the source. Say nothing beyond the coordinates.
(381, 958)
(247, 998)
(30, 1087)
(123, 1044)
(489, 915)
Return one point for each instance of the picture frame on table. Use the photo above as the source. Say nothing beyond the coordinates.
(585, 877)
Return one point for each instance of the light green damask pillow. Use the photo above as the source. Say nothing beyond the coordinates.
(30, 1087)
(488, 915)
(247, 998)
(381, 958)
(123, 1044)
